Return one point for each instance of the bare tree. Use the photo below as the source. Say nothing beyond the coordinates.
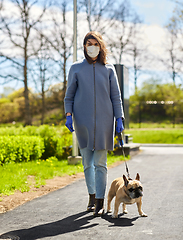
(173, 49)
(18, 25)
(121, 34)
(2, 57)
(42, 70)
(178, 20)
(99, 14)
(60, 39)
(137, 50)
(174, 45)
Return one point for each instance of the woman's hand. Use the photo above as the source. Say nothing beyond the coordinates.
(119, 127)
(68, 123)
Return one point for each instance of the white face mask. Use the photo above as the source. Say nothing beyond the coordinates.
(93, 51)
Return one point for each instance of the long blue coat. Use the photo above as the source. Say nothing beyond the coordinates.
(93, 98)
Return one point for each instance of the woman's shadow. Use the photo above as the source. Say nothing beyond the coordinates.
(79, 221)
(69, 224)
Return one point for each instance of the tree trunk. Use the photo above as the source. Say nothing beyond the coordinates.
(43, 108)
(43, 97)
(28, 119)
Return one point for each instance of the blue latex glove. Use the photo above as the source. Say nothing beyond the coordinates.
(119, 127)
(68, 123)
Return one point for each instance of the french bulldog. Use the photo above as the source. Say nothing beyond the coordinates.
(127, 191)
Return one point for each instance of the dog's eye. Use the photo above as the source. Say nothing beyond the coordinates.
(131, 190)
(140, 188)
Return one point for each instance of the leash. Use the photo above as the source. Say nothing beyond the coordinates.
(120, 138)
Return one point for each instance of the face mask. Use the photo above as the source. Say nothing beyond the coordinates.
(93, 51)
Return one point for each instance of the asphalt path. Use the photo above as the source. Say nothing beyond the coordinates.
(61, 215)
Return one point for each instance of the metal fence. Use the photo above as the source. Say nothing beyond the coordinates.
(156, 112)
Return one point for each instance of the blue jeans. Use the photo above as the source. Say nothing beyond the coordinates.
(95, 170)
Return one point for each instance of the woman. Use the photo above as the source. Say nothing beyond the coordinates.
(93, 100)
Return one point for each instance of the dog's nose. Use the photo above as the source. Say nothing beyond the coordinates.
(139, 194)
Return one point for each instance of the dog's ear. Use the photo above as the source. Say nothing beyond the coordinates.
(125, 180)
(137, 177)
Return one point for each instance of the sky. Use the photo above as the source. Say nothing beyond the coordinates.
(155, 14)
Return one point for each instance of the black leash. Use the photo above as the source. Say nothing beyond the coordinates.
(120, 138)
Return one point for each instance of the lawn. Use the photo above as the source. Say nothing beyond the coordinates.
(15, 176)
(169, 136)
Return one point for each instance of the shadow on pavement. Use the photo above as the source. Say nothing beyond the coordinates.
(120, 222)
(70, 224)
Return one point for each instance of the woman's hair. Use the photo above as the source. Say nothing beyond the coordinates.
(102, 57)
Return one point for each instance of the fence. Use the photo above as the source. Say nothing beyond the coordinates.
(157, 112)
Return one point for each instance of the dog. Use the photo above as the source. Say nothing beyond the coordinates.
(127, 191)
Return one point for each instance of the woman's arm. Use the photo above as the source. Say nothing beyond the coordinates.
(70, 92)
(115, 95)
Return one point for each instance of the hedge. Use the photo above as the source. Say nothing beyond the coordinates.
(54, 138)
(20, 148)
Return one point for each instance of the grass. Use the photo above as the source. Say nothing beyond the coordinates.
(168, 136)
(147, 125)
(15, 176)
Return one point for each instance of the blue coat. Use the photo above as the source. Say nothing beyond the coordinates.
(93, 97)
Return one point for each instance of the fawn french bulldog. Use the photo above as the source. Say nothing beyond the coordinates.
(127, 191)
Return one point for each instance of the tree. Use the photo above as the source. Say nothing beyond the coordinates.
(172, 48)
(174, 45)
(60, 40)
(137, 50)
(157, 102)
(99, 14)
(18, 27)
(122, 28)
(42, 70)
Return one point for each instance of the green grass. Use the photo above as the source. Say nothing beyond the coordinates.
(168, 136)
(15, 176)
(148, 125)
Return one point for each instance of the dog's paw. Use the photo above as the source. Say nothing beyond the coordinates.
(143, 214)
(114, 216)
(109, 211)
(125, 212)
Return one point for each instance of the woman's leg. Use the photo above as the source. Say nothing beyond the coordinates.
(100, 163)
(89, 171)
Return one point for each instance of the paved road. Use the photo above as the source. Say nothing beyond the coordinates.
(61, 215)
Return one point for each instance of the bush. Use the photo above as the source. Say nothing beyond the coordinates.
(9, 112)
(20, 148)
(54, 138)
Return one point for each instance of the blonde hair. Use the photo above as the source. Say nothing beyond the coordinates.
(102, 57)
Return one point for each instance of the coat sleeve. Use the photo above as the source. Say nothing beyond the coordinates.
(115, 94)
(71, 90)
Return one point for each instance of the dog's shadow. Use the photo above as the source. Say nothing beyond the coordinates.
(120, 221)
(76, 222)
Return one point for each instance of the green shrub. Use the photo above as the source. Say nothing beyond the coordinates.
(54, 138)
(20, 148)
